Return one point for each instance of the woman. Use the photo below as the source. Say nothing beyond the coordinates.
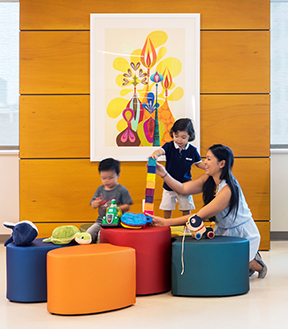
(223, 199)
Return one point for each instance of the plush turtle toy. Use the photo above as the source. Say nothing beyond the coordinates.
(67, 233)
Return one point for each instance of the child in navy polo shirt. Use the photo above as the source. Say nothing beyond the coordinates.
(180, 155)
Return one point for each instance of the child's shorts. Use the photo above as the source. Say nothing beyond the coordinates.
(169, 200)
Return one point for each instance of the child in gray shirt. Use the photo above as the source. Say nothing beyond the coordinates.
(109, 171)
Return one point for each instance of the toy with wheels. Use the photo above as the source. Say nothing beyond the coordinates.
(197, 228)
(113, 215)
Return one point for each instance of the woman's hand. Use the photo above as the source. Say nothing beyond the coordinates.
(159, 221)
(160, 169)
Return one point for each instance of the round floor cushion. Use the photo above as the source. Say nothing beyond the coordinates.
(217, 267)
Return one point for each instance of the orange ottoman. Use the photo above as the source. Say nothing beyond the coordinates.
(109, 273)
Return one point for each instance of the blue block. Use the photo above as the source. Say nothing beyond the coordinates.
(149, 198)
(26, 271)
(217, 267)
(151, 169)
(152, 162)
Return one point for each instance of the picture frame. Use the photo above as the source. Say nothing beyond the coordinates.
(144, 75)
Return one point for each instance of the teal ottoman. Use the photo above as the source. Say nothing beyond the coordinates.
(217, 267)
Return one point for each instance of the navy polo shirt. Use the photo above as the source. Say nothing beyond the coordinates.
(179, 162)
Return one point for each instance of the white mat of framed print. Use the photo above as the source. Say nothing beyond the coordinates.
(144, 76)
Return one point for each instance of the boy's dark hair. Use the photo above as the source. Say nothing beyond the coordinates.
(109, 164)
(183, 124)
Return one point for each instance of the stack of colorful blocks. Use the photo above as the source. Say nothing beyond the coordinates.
(150, 187)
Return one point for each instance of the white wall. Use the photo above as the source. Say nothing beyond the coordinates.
(279, 72)
(279, 115)
(9, 189)
(279, 190)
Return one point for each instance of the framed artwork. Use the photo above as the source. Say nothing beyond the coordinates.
(144, 76)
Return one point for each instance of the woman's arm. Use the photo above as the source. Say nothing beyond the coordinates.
(160, 221)
(192, 187)
(218, 204)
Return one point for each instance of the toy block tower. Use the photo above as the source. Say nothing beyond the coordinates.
(150, 187)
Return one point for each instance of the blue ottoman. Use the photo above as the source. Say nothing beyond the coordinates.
(26, 271)
(217, 267)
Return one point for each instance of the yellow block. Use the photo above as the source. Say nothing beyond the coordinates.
(151, 177)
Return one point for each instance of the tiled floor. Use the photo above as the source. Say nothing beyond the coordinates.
(265, 306)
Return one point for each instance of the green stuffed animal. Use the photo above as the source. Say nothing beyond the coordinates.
(67, 233)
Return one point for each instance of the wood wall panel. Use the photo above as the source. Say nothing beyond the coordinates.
(45, 229)
(254, 178)
(54, 126)
(240, 121)
(61, 189)
(58, 192)
(224, 14)
(57, 179)
(264, 229)
(253, 175)
(58, 62)
(235, 62)
(54, 62)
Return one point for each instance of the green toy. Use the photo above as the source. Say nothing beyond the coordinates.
(67, 233)
(113, 215)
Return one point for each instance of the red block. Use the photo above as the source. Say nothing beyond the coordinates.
(153, 255)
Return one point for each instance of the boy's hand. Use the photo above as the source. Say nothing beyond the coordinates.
(154, 155)
(96, 203)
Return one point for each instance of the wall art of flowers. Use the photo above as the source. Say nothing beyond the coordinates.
(148, 89)
(144, 71)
